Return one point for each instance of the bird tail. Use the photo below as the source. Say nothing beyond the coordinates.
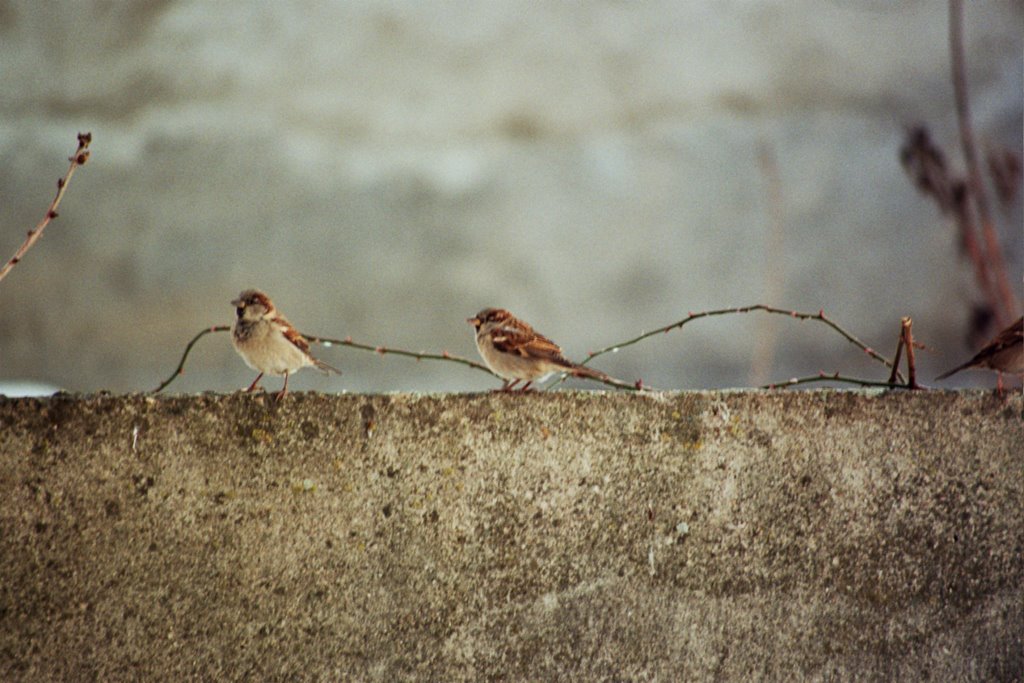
(325, 368)
(584, 371)
(953, 371)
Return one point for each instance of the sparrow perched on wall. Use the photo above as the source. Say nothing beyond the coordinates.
(514, 352)
(1004, 353)
(267, 342)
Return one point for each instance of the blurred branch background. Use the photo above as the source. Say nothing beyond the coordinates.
(384, 170)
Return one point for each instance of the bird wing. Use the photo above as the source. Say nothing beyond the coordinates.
(524, 342)
(291, 334)
(1011, 336)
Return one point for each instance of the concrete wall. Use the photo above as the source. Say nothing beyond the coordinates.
(573, 536)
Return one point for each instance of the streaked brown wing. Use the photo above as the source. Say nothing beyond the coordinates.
(527, 344)
(1014, 334)
(292, 335)
(1011, 336)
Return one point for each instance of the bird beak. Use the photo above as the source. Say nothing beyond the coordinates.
(473, 321)
(236, 303)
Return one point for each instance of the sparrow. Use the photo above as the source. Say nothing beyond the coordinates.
(515, 352)
(267, 342)
(1003, 353)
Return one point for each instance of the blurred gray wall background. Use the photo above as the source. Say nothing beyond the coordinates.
(385, 169)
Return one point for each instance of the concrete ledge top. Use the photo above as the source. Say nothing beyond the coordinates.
(564, 535)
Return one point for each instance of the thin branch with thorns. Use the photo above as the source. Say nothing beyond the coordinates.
(906, 341)
(926, 164)
(445, 356)
(819, 316)
(384, 350)
(180, 370)
(77, 159)
(836, 377)
(896, 378)
(327, 342)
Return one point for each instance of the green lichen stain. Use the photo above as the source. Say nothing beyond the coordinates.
(262, 435)
(684, 430)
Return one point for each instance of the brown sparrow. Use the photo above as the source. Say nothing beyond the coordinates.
(1004, 353)
(267, 342)
(514, 352)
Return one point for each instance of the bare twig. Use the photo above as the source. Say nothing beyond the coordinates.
(819, 316)
(384, 350)
(180, 370)
(609, 381)
(896, 358)
(444, 355)
(906, 341)
(836, 377)
(79, 158)
(326, 341)
(638, 386)
(1008, 300)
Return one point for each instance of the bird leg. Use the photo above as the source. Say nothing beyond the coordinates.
(284, 389)
(256, 381)
(526, 387)
(509, 383)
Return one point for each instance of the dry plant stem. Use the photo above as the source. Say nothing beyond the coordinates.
(1008, 307)
(448, 357)
(180, 370)
(823, 377)
(820, 316)
(79, 158)
(896, 358)
(610, 381)
(418, 355)
(444, 356)
(906, 341)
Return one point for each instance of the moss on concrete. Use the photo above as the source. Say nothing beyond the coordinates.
(467, 537)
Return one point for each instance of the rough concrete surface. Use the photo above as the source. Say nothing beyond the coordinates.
(561, 536)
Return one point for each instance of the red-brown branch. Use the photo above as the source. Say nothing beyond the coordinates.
(79, 158)
(1008, 308)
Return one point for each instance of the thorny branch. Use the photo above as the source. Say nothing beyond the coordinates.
(906, 341)
(77, 159)
(819, 316)
(326, 341)
(836, 377)
(180, 370)
(384, 350)
(639, 385)
(444, 355)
